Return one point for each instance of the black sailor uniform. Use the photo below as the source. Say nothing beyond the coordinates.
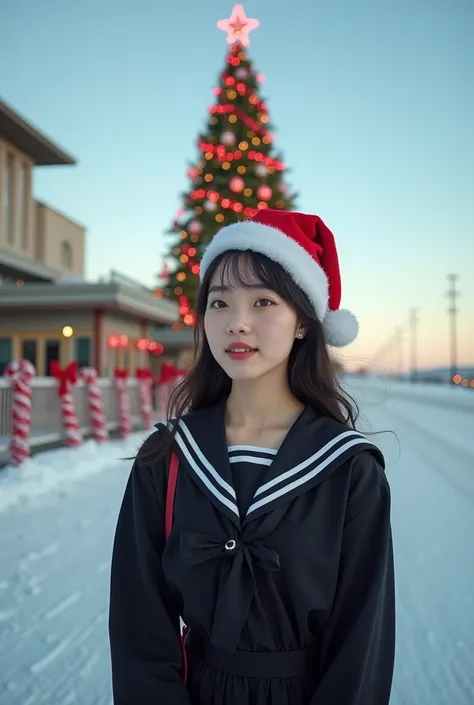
(282, 568)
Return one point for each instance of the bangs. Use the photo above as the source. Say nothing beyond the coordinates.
(246, 268)
(237, 268)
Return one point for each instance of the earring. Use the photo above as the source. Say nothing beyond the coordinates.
(300, 335)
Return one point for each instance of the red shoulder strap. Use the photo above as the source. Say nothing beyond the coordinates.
(169, 510)
(170, 493)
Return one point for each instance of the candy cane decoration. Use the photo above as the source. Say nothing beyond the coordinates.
(20, 373)
(145, 383)
(125, 414)
(164, 382)
(67, 377)
(96, 407)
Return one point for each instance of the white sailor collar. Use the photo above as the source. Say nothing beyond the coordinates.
(312, 449)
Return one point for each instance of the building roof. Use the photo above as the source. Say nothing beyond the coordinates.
(174, 339)
(25, 137)
(112, 295)
(16, 265)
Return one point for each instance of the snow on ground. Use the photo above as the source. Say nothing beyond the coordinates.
(61, 469)
(57, 521)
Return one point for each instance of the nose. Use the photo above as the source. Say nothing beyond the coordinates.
(238, 326)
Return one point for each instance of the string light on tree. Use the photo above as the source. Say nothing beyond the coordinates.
(237, 184)
(210, 206)
(241, 73)
(195, 227)
(228, 138)
(264, 192)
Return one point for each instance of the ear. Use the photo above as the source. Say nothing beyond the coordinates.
(301, 331)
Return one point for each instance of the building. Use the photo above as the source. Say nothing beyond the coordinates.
(47, 310)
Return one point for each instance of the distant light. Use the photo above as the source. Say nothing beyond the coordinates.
(457, 379)
(68, 331)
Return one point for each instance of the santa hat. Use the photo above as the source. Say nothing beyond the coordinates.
(304, 246)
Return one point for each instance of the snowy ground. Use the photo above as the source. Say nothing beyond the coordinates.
(57, 518)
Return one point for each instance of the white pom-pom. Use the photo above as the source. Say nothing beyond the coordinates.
(341, 328)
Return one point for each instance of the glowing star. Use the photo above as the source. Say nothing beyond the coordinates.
(238, 26)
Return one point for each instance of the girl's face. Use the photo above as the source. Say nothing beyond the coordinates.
(250, 329)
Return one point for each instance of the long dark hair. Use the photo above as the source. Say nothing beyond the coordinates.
(312, 375)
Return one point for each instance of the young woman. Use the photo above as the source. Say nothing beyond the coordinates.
(280, 556)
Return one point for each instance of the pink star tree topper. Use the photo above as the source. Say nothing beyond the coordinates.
(238, 26)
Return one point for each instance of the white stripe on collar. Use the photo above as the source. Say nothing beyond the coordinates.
(252, 459)
(204, 479)
(205, 462)
(255, 449)
(309, 461)
(309, 475)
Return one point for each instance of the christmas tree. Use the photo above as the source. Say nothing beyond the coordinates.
(238, 171)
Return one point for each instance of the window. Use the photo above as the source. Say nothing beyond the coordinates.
(8, 199)
(52, 352)
(29, 351)
(6, 352)
(82, 352)
(23, 205)
(66, 255)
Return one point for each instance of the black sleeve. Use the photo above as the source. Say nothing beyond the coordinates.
(359, 639)
(143, 625)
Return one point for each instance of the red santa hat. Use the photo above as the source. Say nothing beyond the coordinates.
(304, 246)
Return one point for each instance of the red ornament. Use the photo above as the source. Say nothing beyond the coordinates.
(237, 184)
(143, 344)
(156, 348)
(264, 192)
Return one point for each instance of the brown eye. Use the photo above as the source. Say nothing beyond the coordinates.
(263, 303)
(217, 303)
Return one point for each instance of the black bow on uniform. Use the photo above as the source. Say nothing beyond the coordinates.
(237, 584)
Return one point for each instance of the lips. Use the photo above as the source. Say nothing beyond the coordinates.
(240, 351)
(240, 348)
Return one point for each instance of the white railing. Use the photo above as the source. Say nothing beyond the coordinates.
(45, 409)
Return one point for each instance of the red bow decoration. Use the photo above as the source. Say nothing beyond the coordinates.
(120, 373)
(168, 373)
(144, 373)
(67, 376)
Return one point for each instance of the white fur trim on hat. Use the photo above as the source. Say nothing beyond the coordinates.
(269, 241)
(341, 327)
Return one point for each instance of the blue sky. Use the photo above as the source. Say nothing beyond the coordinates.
(374, 108)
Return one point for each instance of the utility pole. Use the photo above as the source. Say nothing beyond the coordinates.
(398, 339)
(453, 310)
(413, 331)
